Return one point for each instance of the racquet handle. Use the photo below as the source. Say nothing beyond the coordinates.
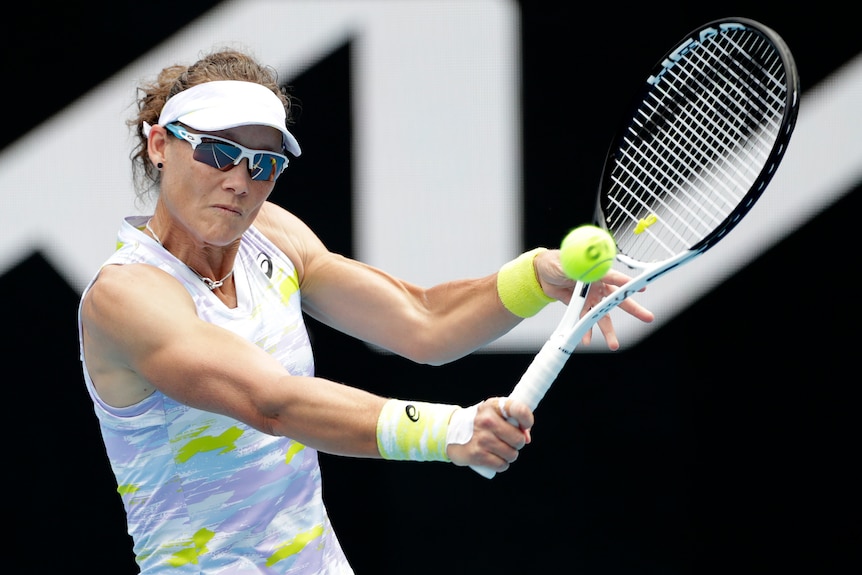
(540, 374)
(534, 384)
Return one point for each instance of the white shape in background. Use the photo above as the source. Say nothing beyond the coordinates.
(437, 150)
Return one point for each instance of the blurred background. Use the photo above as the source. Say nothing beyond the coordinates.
(440, 138)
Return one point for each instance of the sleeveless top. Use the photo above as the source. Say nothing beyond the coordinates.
(205, 493)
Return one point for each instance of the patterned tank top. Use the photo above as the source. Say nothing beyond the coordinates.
(205, 493)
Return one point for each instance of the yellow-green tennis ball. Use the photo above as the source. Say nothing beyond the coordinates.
(587, 253)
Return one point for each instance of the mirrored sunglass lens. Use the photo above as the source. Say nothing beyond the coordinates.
(224, 156)
(219, 156)
(266, 167)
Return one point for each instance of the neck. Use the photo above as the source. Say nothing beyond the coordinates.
(212, 284)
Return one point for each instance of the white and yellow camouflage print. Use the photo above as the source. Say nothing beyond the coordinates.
(204, 493)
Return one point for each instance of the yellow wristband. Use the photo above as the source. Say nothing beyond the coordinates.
(519, 288)
(413, 430)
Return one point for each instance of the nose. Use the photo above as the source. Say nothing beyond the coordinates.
(238, 178)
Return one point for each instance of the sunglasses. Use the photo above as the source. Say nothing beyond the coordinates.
(223, 155)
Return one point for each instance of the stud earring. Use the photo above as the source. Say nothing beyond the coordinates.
(160, 165)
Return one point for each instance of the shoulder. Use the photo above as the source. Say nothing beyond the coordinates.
(273, 220)
(119, 289)
(290, 234)
(135, 277)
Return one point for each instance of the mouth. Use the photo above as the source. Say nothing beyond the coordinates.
(230, 209)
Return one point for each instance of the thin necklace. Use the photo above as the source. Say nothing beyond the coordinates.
(210, 283)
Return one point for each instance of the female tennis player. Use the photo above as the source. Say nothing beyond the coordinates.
(198, 362)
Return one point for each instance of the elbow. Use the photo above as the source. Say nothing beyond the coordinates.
(430, 351)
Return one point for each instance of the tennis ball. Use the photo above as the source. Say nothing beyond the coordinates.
(587, 253)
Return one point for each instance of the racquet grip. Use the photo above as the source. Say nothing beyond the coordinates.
(534, 384)
(540, 374)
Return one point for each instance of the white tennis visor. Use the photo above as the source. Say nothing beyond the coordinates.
(223, 104)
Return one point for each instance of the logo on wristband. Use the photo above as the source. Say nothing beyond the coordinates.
(412, 412)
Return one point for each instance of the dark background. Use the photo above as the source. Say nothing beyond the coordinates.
(724, 442)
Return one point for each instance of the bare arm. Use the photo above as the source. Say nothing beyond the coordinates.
(132, 337)
(426, 325)
(434, 325)
(135, 342)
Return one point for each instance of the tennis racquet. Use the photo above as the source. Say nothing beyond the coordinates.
(702, 141)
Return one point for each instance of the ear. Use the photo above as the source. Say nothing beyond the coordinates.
(157, 143)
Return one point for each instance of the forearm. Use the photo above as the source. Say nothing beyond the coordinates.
(432, 326)
(499, 303)
(463, 316)
(342, 420)
(328, 416)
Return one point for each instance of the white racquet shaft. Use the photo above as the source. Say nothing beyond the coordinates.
(534, 384)
(548, 363)
(541, 373)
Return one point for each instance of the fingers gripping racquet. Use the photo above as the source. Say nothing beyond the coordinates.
(702, 141)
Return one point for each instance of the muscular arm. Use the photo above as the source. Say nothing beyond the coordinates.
(134, 342)
(433, 325)
(141, 331)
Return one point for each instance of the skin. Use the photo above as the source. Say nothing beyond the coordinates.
(135, 343)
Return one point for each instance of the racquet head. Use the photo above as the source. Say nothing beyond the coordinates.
(703, 139)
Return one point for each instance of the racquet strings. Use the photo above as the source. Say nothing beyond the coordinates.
(697, 145)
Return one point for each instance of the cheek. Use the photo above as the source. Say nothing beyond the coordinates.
(263, 190)
(177, 177)
(182, 171)
(183, 181)
(179, 156)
